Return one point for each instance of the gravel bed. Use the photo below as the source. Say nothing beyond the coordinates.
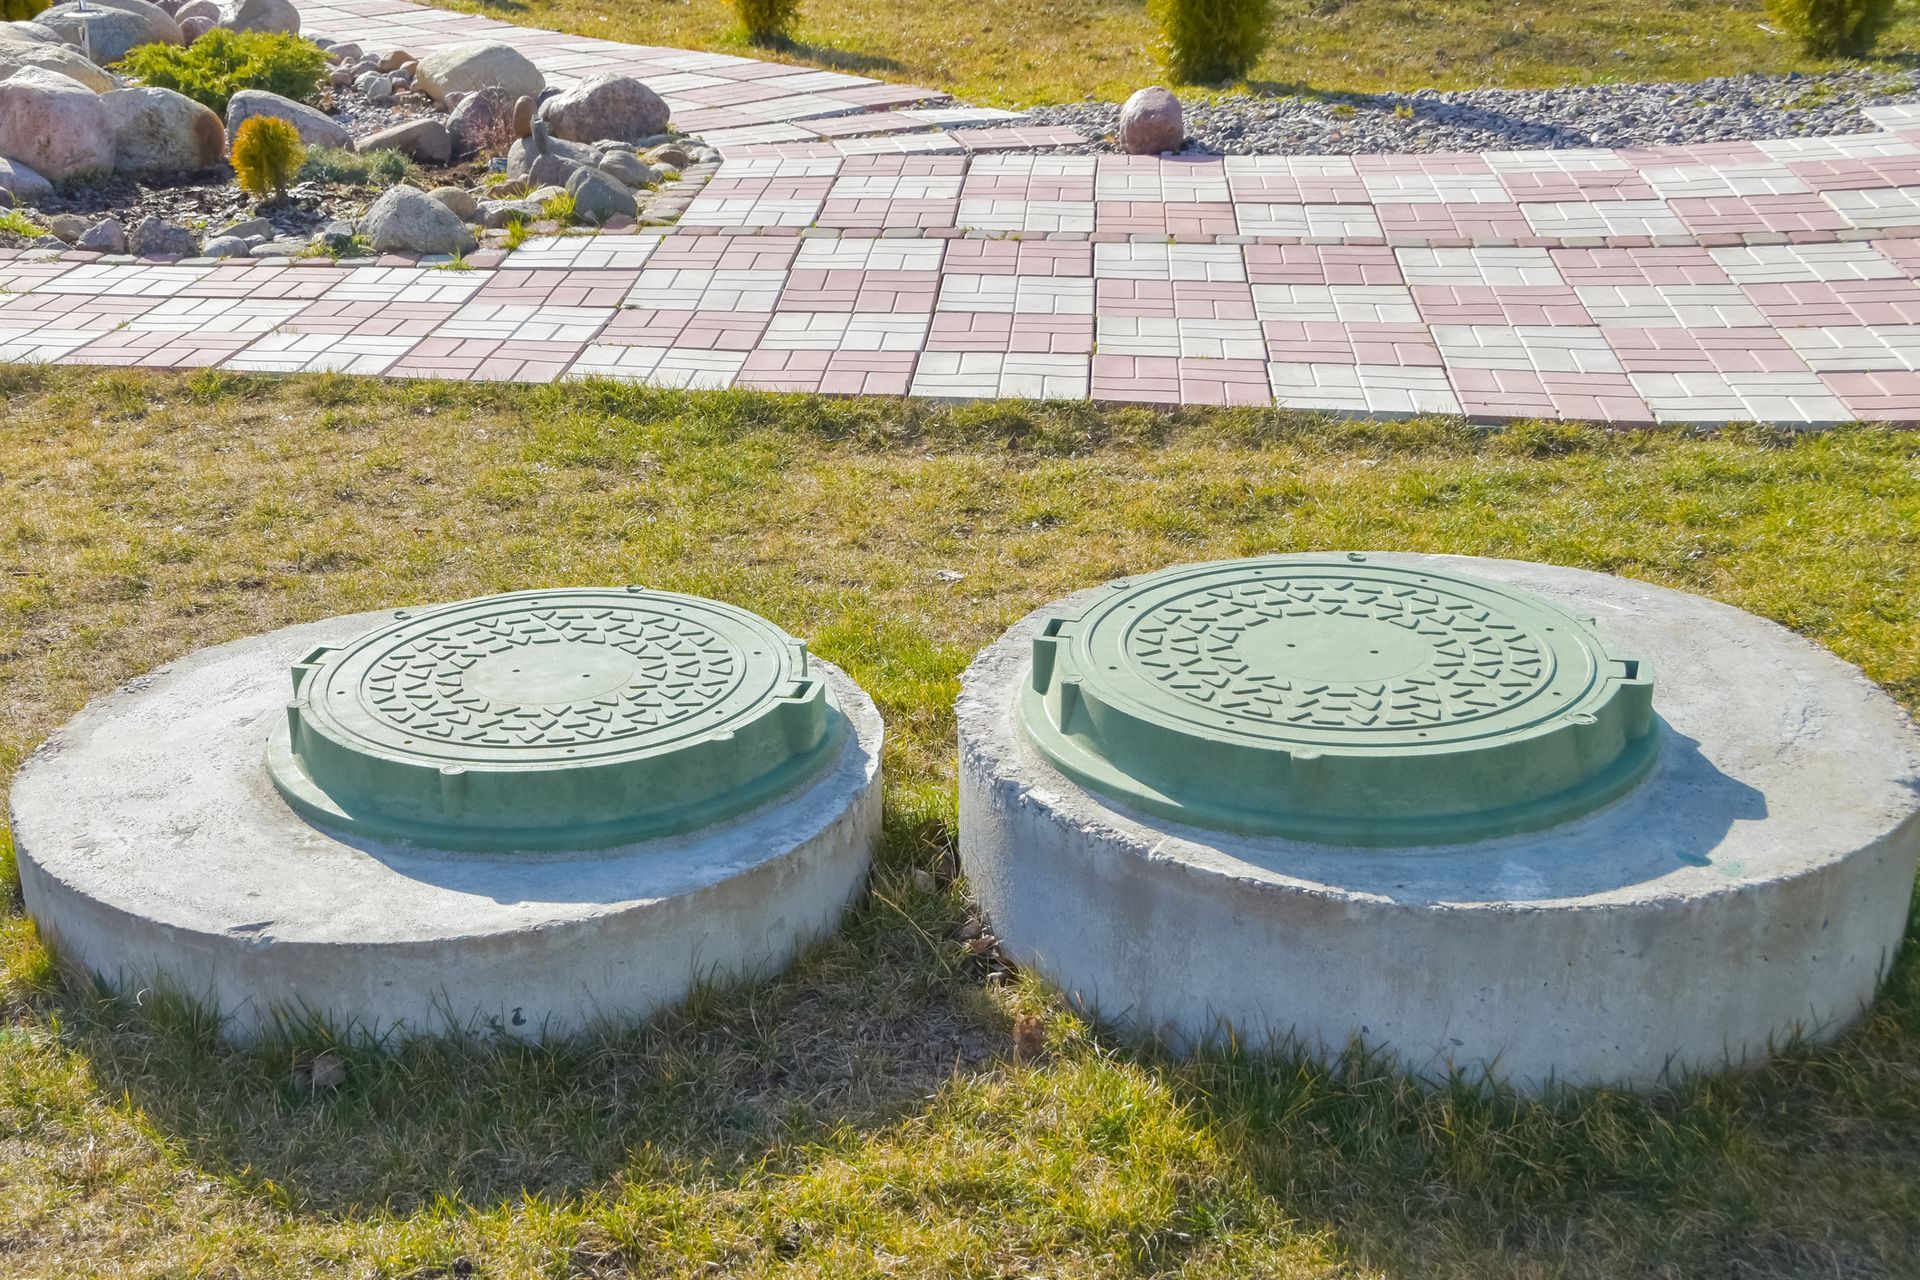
(1614, 115)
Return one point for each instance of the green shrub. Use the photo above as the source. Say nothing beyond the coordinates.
(358, 168)
(221, 63)
(266, 155)
(21, 10)
(1832, 28)
(767, 21)
(1209, 41)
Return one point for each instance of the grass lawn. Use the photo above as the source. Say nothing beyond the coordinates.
(867, 1114)
(1020, 52)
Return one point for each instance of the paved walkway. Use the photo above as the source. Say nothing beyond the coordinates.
(860, 238)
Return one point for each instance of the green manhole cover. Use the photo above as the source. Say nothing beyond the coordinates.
(552, 720)
(1333, 698)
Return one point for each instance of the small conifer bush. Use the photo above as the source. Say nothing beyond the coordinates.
(1210, 41)
(1832, 28)
(221, 63)
(266, 155)
(767, 21)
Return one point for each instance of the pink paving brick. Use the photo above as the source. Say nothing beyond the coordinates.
(851, 212)
(1713, 153)
(1015, 139)
(1494, 394)
(1322, 264)
(690, 330)
(1680, 265)
(1904, 254)
(1184, 299)
(885, 166)
(866, 124)
(160, 350)
(1742, 214)
(999, 331)
(1733, 350)
(548, 287)
(880, 97)
(1857, 175)
(1184, 221)
(1438, 162)
(1337, 342)
(1500, 304)
(71, 310)
(1838, 302)
(1878, 397)
(1276, 188)
(1176, 380)
(256, 281)
(841, 373)
(1415, 223)
(486, 360)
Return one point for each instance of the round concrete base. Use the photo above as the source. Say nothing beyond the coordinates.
(1755, 885)
(153, 847)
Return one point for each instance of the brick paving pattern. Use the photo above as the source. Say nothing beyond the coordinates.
(862, 238)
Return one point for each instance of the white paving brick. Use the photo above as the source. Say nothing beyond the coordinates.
(1579, 219)
(1803, 263)
(1215, 262)
(1685, 306)
(1869, 348)
(1491, 266)
(1538, 348)
(1302, 220)
(1799, 398)
(1352, 303)
(1022, 295)
(845, 331)
(660, 366)
(318, 352)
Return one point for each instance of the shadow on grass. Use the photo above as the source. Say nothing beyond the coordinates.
(825, 55)
(861, 1031)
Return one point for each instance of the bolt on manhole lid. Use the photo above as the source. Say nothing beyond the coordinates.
(1341, 699)
(566, 719)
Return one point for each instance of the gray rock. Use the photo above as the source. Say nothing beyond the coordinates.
(1152, 122)
(494, 214)
(345, 52)
(482, 121)
(57, 58)
(108, 235)
(596, 197)
(463, 68)
(407, 220)
(160, 130)
(316, 128)
(25, 185)
(424, 140)
(225, 247)
(261, 15)
(374, 87)
(53, 125)
(605, 107)
(626, 167)
(524, 154)
(68, 226)
(6, 198)
(198, 9)
(191, 29)
(669, 155)
(341, 78)
(156, 238)
(247, 229)
(463, 204)
(111, 27)
(394, 59)
(22, 33)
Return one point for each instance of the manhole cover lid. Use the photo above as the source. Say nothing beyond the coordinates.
(573, 718)
(1339, 698)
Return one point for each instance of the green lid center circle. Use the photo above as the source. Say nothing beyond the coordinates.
(1338, 699)
(552, 719)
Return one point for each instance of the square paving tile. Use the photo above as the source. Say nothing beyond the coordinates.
(1877, 209)
(985, 375)
(1376, 390)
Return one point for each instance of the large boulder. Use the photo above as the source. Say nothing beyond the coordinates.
(106, 29)
(316, 128)
(158, 238)
(406, 220)
(17, 33)
(596, 197)
(482, 121)
(158, 129)
(55, 57)
(22, 183)
(605, 107)
(423, 140)
(476, 65)
(1151, 122)
(53, 125)
(261, 15)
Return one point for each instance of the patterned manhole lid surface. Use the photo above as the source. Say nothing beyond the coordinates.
(1339, 698)
(552, 719)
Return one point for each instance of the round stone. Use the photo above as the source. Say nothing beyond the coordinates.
(1751, 887)
(552, 719)
(1341, 699)
(154, 845)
